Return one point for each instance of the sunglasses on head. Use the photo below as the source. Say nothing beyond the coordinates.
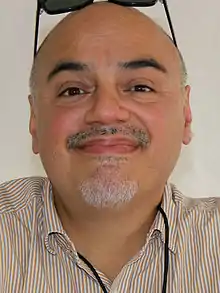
(53, 7)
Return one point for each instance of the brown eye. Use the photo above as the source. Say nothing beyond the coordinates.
(141, 88)
(72, 91)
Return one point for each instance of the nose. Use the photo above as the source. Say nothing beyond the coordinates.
(107, 107)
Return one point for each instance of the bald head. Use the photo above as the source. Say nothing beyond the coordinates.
(101, 18)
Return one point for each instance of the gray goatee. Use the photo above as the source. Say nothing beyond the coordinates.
(107, 187)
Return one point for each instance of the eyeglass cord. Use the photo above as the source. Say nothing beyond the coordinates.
(166, 256)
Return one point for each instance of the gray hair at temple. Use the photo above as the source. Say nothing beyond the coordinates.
(32, 80)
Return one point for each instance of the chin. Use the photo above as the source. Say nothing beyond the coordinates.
(107, 187)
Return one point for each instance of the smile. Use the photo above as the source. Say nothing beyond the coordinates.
(109, 146)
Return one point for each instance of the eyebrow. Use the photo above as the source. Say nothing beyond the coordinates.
(79, 66)
(143, 63)
(67, 66)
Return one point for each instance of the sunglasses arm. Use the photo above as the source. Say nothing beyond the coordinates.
(38, 13)
(164, 2)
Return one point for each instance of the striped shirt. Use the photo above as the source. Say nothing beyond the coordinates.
(36, 254)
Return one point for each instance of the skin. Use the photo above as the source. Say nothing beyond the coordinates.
(109, 34)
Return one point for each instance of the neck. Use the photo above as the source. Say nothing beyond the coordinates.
(99, 233)
(132, 216)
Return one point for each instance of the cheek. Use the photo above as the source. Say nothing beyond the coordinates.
(165, 124)
(168, 123)
(164, 121)
(58, 124)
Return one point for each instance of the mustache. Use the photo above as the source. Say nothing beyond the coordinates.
(139, 135)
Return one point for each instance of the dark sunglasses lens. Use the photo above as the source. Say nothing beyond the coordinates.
(54, 6)
(141, 2)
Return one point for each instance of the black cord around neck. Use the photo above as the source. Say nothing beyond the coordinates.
(166, 257)
(166, 249)
(94, 272)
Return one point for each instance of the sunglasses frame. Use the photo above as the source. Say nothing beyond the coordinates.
(41, 7)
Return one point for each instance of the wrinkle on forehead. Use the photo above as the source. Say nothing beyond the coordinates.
(96, 22)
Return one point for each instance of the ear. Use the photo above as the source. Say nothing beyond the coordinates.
(33, 124)
(187, 134)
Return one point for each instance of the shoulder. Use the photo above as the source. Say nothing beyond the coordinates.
(195, 203)
(16, 194)
(197, 210)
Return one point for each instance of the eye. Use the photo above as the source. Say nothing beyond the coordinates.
(141, 88)
(72, 91)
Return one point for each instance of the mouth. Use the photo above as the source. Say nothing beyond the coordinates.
(109, 147)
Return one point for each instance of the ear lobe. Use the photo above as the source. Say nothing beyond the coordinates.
(32, 125)
(187, 135)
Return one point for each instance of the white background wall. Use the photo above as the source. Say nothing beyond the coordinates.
(197, 27)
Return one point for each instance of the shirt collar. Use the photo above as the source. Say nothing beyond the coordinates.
(172, 211)
(53, 225)
(54, 234)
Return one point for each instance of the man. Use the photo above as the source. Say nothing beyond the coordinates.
(109, 113)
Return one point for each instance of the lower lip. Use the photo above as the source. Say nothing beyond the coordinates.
(116, 149)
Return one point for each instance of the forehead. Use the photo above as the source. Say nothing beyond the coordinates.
(105, 34)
